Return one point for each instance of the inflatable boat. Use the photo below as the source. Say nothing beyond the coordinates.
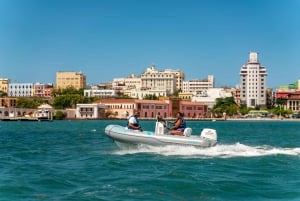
(160, 136)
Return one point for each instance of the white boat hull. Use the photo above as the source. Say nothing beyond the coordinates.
(122, 134)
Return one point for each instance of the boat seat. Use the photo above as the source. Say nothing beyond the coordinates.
(187, 132)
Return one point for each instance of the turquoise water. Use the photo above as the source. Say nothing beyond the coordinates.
(74, 160)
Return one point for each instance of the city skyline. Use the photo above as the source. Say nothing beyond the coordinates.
(112, 39)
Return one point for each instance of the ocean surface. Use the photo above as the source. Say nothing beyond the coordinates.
(74, 160)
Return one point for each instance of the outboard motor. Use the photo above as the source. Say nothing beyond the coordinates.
(160, 128)
(187, 132)
(209, 133)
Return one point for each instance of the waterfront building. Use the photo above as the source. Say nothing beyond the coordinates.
(4, 82)
(123, 108)
(14, 113)
(149, 109)
(44, 112)
(8, 102)
(89, 111)
(152, 108)
(66, 79)
(194, 110)
(253, 82)
(20, 89)
(118, 108)
(198, 85)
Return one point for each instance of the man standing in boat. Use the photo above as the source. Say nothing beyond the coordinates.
(179, 125)
(133, 121)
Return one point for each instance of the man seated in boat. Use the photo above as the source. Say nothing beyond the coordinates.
(133, 121)
(179, 125)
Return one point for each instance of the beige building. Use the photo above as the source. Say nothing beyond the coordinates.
(70, 79)
(179, 77)
(159, 80)
(131, 82)
(185, 96)
(4, 82)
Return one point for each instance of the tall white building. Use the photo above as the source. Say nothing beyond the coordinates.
(253, 82)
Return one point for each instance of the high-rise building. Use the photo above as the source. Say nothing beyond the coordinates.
(70, 79)
(253, 82)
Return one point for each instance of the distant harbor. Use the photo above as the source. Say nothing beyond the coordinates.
(23, 119)
(43, 113)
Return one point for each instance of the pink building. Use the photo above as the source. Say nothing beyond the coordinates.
(193, 109)
(43, 90)
(149, 109)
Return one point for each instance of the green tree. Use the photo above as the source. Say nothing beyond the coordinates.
(176, 93)
(66, 101)
(70, 97)
(29, 102)
(244, 110)
(68, 90)
(59, 115)
(150, 97)
(226, 105)
(281, 102)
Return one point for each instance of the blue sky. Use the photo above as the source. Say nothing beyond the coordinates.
(108, 39)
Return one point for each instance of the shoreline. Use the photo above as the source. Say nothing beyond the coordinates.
(151, 119)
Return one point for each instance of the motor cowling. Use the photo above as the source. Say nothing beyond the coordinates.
(160, 128)
(209, 134)
(187, 132)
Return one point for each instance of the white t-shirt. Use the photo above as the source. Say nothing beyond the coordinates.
(132, 120)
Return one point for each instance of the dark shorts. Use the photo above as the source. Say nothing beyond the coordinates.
(180, 129)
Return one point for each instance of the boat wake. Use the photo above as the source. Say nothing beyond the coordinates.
(218, 151)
